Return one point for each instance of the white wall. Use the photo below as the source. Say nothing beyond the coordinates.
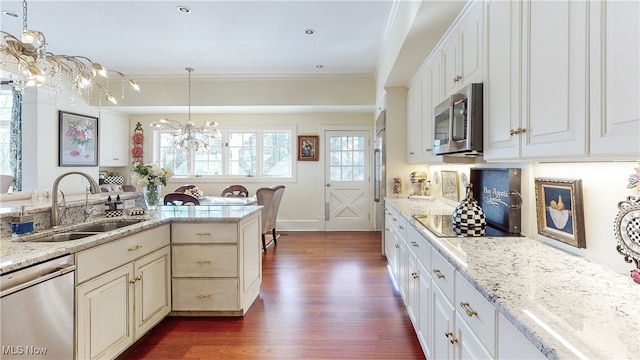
(302, 206)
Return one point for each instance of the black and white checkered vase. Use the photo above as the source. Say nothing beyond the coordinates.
(468, 219)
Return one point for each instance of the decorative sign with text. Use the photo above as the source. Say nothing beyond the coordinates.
(498, 193)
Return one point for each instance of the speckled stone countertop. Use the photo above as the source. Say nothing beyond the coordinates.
(593, 311)
(19, 252)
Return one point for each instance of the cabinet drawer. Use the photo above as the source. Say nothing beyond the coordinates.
(204, 233)
(205, 261)
(443, 274)
(105, 257)
(477, 312)
(419, 246)
(205, 294)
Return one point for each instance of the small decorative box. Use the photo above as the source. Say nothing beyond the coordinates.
(113, 213)
(137, 211)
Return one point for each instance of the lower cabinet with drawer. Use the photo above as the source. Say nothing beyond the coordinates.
(217, 267)
(123, 290)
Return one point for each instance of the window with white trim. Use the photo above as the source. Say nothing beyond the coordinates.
(237, 152)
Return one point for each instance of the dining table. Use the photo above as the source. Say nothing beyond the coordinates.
(222, 200)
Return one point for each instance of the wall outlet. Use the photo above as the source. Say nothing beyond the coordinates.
(129, 203)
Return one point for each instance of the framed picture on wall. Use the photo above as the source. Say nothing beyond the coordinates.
(77, 139)
(560, 211)
(308, 147)
(450, 185)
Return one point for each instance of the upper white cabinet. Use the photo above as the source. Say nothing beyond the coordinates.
(414, 123)
(614, 78)
(462, 51)
(114, 139)
(552, 95)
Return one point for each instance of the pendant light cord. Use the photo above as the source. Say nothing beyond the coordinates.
(189, 70)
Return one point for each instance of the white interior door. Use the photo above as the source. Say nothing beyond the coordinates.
(348, 174)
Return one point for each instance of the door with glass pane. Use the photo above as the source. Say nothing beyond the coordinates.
(347, 193)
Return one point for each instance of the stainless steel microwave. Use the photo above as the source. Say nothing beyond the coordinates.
(458, 123)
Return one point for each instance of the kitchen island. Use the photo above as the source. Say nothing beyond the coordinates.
(566, 306)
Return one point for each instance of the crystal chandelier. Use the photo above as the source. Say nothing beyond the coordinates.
(27, 63)
(189, 135)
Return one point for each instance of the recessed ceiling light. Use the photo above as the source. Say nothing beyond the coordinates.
(184, 9)
(8, 13)
(309, 31)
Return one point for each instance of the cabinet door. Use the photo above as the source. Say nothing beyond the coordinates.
(152, 290)
(470, 46)
(424, 311)
(431, 96)
(251, 249)
(443, 325)
(502, 82)
(413, 284)
(449, 59)
(414, 123)
(554, 102)
(114, 139)
(468, 346)
(104, 311)
(615, 78)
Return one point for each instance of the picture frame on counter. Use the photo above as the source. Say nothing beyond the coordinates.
(560, 210)
(308, 147)
(450, 188)
(77, 139)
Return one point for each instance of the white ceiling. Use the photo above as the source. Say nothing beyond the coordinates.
(217, 37)
(233, 37)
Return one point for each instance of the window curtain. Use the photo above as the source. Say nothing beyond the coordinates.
(15, 140)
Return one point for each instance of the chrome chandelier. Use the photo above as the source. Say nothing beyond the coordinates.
(26, 62)
(189, 135)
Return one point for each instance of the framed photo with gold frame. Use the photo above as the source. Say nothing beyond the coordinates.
(560, 211)
(449, 185)
(308, 147)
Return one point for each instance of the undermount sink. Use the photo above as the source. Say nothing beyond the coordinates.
(75, 235)
(106, 226)
(87, 230)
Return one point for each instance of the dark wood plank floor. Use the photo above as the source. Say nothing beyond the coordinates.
(325, 295)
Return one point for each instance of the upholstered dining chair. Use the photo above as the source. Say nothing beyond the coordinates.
(129, 188)
(235, 191)
(182, 188)
(270, 199)
(180, 198)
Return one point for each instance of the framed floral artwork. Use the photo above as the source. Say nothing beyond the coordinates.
(78, 139)
(450, 185)
(308, 148)
(560, 210)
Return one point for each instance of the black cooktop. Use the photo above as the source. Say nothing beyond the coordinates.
(440, 225)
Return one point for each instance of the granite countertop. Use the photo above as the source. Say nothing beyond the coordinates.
(19, 252)
(566, 305)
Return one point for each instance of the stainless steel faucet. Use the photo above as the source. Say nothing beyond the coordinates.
(55, 209)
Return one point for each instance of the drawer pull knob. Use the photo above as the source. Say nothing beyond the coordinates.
(204, 261)
(397, 246)
(400, 226)
(453, 339)
(439, 274)
(202, 296)
(447, 334)
(465, 306)
(414, 275)
(415, 244)
(135, 248)
(133, 281)
(203, 234)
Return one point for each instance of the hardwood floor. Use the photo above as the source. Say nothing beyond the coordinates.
(325, 295)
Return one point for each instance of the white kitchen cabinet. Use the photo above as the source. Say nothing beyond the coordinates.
(116, 306)
(614, 78)
(419, 287)
(414, 122)
(444, 315)
(550, 58)
(513, 345)
(217, 267)
(432, 95)
(462, 51)
(114, 139)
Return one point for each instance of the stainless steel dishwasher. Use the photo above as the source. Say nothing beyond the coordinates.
(37, 311)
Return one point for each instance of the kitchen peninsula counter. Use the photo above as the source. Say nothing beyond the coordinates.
(565, 305)
(19, 252)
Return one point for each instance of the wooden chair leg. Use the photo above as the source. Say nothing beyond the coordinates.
(274, 237)
(264, 244)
